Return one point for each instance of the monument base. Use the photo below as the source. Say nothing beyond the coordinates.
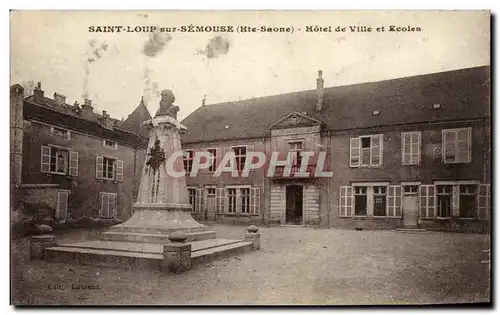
(141, 242)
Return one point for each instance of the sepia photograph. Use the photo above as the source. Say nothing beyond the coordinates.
(278, 158)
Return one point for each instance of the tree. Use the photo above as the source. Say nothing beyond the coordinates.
(29, 87)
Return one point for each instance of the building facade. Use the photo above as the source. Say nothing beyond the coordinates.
(406, 152)
(77, 162)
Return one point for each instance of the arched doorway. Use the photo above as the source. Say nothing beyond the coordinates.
(294, 204)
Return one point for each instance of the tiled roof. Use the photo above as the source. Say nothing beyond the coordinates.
(134, 121)
(462, 94)
(64, 116)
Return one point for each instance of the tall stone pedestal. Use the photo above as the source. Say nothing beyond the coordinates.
(162, 211)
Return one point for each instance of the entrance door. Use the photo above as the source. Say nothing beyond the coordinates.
(294, 204)
(410, 206)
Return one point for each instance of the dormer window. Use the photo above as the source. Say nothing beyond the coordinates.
(110, 144)
(60, 132)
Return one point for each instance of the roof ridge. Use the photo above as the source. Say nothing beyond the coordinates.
(350, 85)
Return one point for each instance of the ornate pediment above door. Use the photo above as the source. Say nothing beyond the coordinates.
(295, 119)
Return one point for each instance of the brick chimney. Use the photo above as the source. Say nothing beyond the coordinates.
(87, 108)
(59, 99)
(320, 90)
(38, 93)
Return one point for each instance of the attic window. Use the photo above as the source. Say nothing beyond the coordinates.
(227, 126)
(110, 144)
(376, 113)
(55, 131)
(436, 106)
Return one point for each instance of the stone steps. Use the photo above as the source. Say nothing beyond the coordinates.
(153, 238)
(206, 255)
(158, 230)
(105, 258)
(140, 255)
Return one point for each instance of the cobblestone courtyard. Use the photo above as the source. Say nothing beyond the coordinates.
(294, 266)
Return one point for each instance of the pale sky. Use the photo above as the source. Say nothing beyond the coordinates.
(54, 47)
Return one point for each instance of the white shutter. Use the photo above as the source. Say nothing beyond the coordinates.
(405, 148)
(62, 204)
(455, 201)
(346, 202)
(250, 149)
(73, 163)
(449, 146)
(355, 152)
(416, 144)
(376, 150)
(255, 200)
(219, 200)
(199, 200)
(99, 166)
(410, 147)
(427, 201)
(483, 201)
(104, 213)
(394, 201)
(45, 159)
(463, 145)
(119, 170)
(112, 205)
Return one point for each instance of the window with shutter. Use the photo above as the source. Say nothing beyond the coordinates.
(108, 206)
(366, 151)
(394, 201)
(346, 201)
(73, 163)
(410, 147)
(119, 170)
(355, 147)
(457, 145)
(427, 201)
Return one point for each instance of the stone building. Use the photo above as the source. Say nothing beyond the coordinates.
(412, 151)
(78, 162)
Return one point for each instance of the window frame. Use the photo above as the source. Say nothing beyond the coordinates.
(213, 166)
(240, 159)
(188, 160)
(66, 135)
(411, 153)
(114, 147)
(456, 132)
(239, 200)
(71, 161)
(101, 210)
(359, 150)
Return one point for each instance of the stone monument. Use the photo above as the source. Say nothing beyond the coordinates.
(161, 233)
(162, 205)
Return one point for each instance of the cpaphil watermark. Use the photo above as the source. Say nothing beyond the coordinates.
(305, 164)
